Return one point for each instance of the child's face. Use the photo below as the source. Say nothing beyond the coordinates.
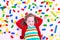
(30, 21)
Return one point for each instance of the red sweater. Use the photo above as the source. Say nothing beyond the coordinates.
(24, 27)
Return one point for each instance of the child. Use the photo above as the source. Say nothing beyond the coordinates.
(30, 27)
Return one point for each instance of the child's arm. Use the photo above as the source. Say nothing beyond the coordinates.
(19, 23)
(39, 21)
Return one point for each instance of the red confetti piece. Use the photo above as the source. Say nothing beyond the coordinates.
(46, 3)
(58, 21)
(42, 2)
(51, 30)
(14, 10)
(34, 0)
(5, 7)
(26, 13)
(7, 3)
(18, 11)
(11, 36)
(58, 8)
(7, 15)
(9, 32)
(6, 24)
(22, 9)
(39, 10)
(47, 9)
(0, 25)
(53, 0)
(46, 38)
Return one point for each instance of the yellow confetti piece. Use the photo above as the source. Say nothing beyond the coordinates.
(49, 15)
(38, 13)
(58, 12)
(56, 4)
(3, 25)
(22, 15)
(51, 37)
(7, 29)
(16, 34)
(53, 13)
(12, 1)
(28, 1)
(1, 19)
(1, 32)
(8, 8)
(19, 3)
(3, 11)
(52, 19)
(14, 21)
(50, 3)
(58, 39)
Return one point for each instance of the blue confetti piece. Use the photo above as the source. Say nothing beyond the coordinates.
(43, 12)
(23, 2)
(0, 7)
(17, 28)
(11, 15)
(51, 25)
(44, 37)
(45, 6)
(15, 4)
(12, 33)
(41, 5)
(16, 17)
(4, 0)
(51, 34)
(30, 9)
(55, 29)
(33, 6)
(11, 21)
(43, 29)
(25, 6)
(4, 32)
(9, 11)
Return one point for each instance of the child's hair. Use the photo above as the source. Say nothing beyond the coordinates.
(29, 15)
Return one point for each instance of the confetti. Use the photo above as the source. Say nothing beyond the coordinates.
(11, 36)
(43, 29)
(44, 24)
(12, 33)
(55, 29)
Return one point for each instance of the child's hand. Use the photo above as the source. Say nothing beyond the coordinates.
(21, 37)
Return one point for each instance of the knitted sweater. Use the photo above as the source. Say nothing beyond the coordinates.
(31, 33)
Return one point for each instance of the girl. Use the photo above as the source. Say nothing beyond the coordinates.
(30, 27)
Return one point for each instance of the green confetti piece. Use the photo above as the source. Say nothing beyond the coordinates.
(34, 4)
(48, 20)
(45, 25)
(21, 0)
(46, 15)
(2, 8)
(29, 6)
(0, 30)
(3, 15)
(6, 21)
(35, 11)
(55, 20)
(50, 5)
(13, 6)
(40, 16)
(0, 4)
(12, 26)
